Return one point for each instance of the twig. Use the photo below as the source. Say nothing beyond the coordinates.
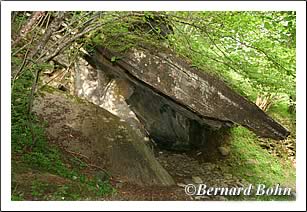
(41, 45)
(262, 51)
(21, 48)
(71, 23)
(87, 164)
(36, 76)
(98, 167)
(214, 59)
(65, 69)
(55, 25)
(69, 41)
(203, 29)
(77, 153)
(13, 16)
(33, 37)
(15, 188)
(67, 33)
(23, 64)
(45, 38)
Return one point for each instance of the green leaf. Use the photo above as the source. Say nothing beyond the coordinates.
(267, 25)
(113, 59)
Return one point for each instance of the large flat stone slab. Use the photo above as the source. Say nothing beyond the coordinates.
(204, 95)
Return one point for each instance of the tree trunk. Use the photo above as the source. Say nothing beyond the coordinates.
(28, 26)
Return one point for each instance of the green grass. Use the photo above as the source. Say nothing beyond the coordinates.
(266, 169)
(42, 189)
(281, 111)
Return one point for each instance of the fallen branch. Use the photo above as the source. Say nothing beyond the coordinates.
(87, 164)
(77, 153)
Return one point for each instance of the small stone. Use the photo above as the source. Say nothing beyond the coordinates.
(119, 185)
(205, 197)
(197, 197)
(186, 171)
(223, 150)
(181, 185)
(179, 174)
(197, 180)
(227, 176)
(188, 181)
(221, 198)
(201, 170)
(249, 174)
(239, 184)
(146, 139)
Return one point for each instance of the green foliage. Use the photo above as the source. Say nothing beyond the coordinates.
(20, 18)
(265, 169)
(20, 131)
(114, 59)
(124, 30)
(253, 51)
(37, 189)
(17, 197)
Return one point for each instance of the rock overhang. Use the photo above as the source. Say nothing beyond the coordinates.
(190, 92)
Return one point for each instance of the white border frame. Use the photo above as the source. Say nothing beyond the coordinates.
(7, 7)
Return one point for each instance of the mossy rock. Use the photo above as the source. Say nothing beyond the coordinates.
(106, 140)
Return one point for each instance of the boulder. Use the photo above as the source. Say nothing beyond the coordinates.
(178, 105)
(197, 180)
(106, 140)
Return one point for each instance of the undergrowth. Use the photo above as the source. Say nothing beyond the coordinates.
(257, 166)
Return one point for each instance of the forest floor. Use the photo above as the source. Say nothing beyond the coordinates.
(208, 165)
(214, 171)
(250, 161)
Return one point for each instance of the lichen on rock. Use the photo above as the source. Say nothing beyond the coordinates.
(107, 141)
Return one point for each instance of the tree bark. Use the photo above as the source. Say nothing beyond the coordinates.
(28, 26)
